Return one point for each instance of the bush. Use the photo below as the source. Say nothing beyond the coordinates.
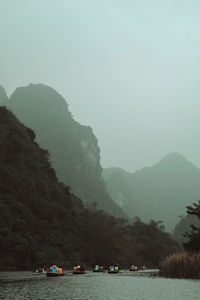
(182, 265)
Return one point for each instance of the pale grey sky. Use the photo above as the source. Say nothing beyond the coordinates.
(128, 68)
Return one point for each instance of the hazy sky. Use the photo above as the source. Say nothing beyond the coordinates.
(128, 68)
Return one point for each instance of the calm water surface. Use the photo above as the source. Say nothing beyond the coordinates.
(96, 286)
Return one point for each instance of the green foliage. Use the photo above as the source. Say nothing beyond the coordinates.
(115, 240)
(193, 243)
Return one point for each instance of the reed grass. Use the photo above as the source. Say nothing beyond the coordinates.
(181, 265)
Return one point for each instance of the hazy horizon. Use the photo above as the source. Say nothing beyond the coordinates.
(128, 69)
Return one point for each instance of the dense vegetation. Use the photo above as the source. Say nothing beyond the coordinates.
(183, 226)
(193, 243)
(115, 240)
(182, 265)
(186, 264)
(42, 222)
(39, 217)
(73, 148)
(168, 183)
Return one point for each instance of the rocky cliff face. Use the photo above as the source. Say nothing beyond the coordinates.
(73, 148)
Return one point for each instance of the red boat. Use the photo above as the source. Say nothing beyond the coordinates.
(78, 270)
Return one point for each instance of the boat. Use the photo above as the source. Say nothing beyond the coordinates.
(54, 271)
(142, 267)
(98, 269)
(133, 268)
(113, 270)
(78, 270)
(39, 271)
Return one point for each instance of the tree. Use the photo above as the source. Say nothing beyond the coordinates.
(194, 237)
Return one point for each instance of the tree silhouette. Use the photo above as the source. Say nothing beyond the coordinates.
(194, 237)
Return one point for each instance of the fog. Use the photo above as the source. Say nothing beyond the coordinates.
(129, 69)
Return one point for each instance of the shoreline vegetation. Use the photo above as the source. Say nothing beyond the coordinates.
(181, 265)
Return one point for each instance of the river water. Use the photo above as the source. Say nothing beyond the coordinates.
(96, 286)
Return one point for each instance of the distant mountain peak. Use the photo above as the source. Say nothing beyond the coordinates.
(35, 92)
(174, 159)
(174, 156)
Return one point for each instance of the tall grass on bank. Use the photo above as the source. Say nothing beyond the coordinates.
(181, 265)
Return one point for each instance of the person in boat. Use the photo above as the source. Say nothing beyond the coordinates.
(54, 269)
(97, 268)
(82, 268)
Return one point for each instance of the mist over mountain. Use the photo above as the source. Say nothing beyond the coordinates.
(73, 148)
(159, 192)
(3, 96)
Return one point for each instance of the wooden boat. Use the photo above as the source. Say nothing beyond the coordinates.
(54, 274)
(78, 270)
(133, 268)
(54, 271)
(113, 271)
(39, 272)
(98, 269)
(143, 267)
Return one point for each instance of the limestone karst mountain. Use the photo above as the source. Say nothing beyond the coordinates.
(159, 192)
(73, 148)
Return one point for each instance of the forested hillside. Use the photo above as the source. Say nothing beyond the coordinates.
(42, 222)
(40, 219)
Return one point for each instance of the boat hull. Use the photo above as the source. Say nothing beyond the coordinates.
(113, 272)
(52, 274)
(79, 273)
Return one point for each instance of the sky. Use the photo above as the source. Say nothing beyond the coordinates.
(130, 69)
